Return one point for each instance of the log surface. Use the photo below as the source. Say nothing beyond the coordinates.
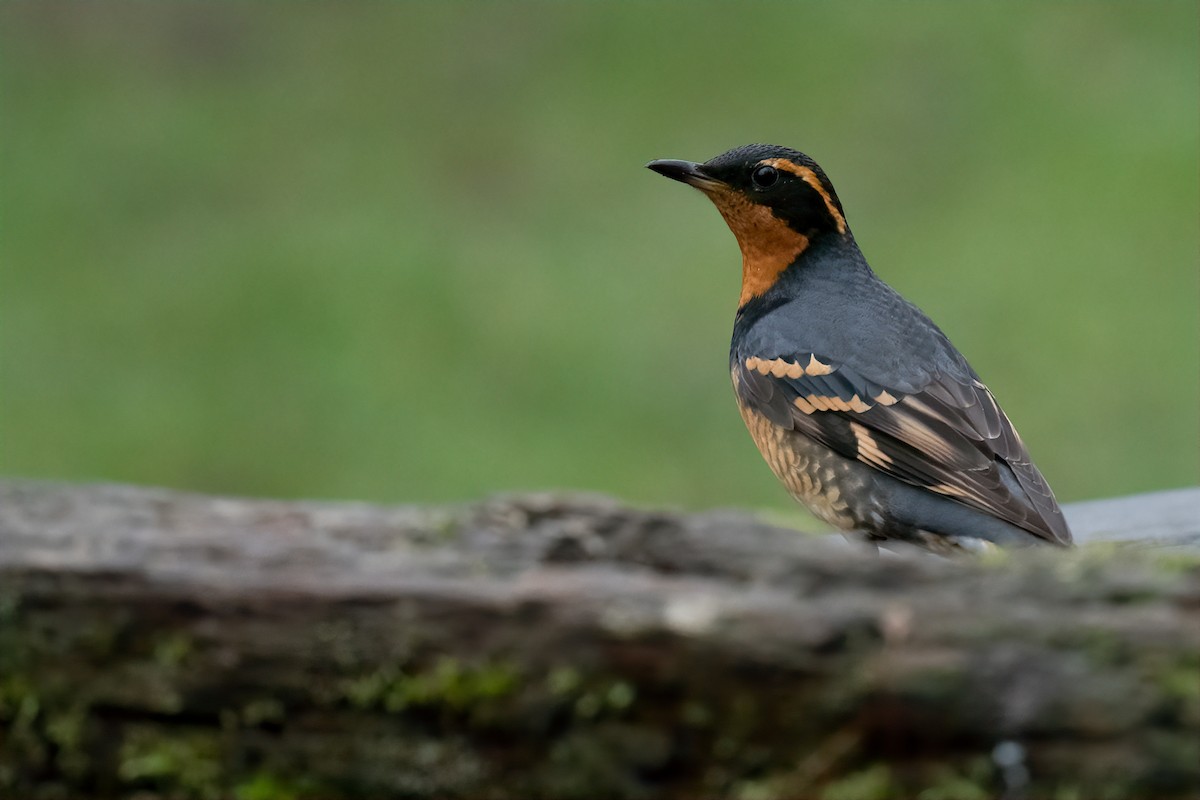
(162, 644)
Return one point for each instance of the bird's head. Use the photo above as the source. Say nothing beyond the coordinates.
(777, 201)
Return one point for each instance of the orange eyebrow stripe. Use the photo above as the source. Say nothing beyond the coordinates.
(808, 176)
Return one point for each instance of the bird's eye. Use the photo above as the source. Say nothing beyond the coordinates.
(764, 177)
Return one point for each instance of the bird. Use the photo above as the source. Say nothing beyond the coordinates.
(858, 402)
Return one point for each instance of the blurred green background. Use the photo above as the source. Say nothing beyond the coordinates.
(408, 251)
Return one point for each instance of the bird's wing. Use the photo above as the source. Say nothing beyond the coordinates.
(945, 433)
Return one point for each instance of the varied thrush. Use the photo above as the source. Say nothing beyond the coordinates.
(856, 399)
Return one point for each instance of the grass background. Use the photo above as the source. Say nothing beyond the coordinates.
(408, 251)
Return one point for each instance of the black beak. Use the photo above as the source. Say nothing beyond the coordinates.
(688, 172)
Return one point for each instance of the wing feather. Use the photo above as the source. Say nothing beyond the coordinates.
(948, 436)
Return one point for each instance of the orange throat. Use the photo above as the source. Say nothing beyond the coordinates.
(768, 245)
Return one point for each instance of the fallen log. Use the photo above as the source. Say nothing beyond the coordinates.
(162, 644)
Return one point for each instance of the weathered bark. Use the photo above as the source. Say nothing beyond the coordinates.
(167, 644)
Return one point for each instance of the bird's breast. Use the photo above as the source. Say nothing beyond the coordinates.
(812, 473)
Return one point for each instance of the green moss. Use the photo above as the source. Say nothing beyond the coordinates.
(873, 783)
(563, 681)
(995, 557)
(620, 696)
(1104, 647)
(1182, 682)
(1176, 759)
(42, 700)
(949, 784)
(170, 650)
(187, 763)
(933, 685)
(446, 528)
(67, 730)
(1177, 679)
(268, 786)
(603, 698)
(42, 728)
(605, 759)
(10, 604)
(448, 684)
(14, 689)
(1069, 793)
(755, 790)
(367, 691)
(25, 743)
(1117, 790)
(256, 712)
(588, 705)
(1178, 562)
(696, 714)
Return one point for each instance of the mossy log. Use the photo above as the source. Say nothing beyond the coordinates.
(161, 644)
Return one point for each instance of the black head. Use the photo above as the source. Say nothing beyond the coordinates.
(789, 183)
(776, 201)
